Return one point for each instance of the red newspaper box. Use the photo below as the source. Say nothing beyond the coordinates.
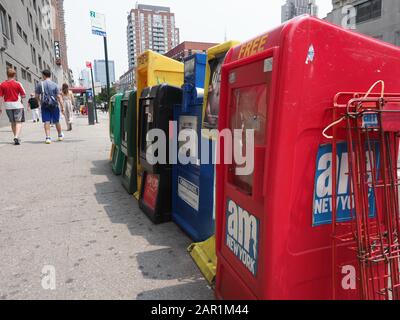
(274, 227)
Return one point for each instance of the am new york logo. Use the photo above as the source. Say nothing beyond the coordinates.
(242, 235)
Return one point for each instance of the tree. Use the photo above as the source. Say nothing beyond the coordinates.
(102, 97)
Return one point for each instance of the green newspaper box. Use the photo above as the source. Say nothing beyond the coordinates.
(115, 134)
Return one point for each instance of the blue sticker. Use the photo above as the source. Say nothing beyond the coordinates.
(242, 235)
(322, 207)
(370, 121)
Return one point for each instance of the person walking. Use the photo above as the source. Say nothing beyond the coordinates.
(69, 102)
(33, 105)
(13, 92)
(48, 95)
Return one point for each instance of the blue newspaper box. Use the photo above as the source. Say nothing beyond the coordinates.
(193, 183)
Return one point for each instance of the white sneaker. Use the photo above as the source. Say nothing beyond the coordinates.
(48, 140)
(61, 137)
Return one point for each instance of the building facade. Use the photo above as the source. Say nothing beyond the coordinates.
(127, 80)
(62, 72)
(27, 41)
(85, 79)
(188, 48)
(100, 75)
(150, 28)
(379, 19)
(294, 8)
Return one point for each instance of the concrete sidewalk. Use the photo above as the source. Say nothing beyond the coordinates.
(62, 210)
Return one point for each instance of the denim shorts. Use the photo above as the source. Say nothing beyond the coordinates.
(51, 115)
(16, 115)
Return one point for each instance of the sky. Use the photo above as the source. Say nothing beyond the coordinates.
(204, 20)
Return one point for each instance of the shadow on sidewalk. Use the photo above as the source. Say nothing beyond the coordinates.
(54, 141)
(172, 262)
(181, 292)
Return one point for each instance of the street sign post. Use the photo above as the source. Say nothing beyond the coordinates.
(98, 22)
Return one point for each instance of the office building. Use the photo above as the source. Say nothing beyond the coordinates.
(100, 74)
(294, 8)
(379, 19)
(85, 79)
(127, 80)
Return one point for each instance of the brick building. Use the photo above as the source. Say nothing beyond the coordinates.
(188, 48)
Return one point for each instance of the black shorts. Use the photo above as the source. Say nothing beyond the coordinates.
(16, 115)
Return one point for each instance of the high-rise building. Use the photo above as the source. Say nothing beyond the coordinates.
(85, 80)
(27, 41)
(100, 75)
(379, 19)
(294, 8)
(150, 28)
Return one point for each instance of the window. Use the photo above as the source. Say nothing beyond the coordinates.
(368, 10)
(29, 77)
(34, 5)
(23, 74)
(397, 38)
(37, 33)
(30, 19)
(33, 52)
(19, 30)
(10, 24)
(378, 37)
(249, 112)
(5, 27)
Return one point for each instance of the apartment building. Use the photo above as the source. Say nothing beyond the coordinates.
(150, 28)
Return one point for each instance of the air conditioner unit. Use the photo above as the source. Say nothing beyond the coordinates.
(4, 44)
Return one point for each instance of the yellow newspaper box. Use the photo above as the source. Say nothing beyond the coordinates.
(204, 254)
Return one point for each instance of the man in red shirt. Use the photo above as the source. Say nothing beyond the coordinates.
(13, 93)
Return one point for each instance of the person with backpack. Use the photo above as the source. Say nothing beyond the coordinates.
(13, 93)
(48, 95)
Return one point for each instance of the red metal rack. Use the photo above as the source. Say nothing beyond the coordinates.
(371, 125)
